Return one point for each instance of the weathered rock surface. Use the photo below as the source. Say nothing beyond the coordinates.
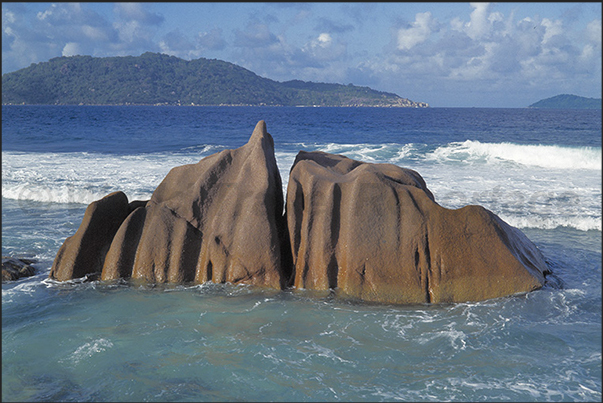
(374, 232)
(84, 252)
(219, 220)
(15, 268)
(369, 231)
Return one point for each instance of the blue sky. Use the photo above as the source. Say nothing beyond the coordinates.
(446, 54)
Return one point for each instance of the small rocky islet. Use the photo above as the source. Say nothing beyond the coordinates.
(14, 268)
(369, 232)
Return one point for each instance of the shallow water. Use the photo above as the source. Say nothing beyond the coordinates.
(89, 341)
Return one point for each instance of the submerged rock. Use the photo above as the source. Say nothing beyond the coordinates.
(16, 268)
(218, 220)
(369, 231)
(374, 232)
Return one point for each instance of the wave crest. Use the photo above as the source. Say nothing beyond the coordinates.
(527, 184)
(544, 156)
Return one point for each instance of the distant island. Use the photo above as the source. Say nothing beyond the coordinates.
(567, 101)
(159, 79)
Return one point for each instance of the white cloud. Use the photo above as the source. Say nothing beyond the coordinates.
(324, 48)
(8, 17)
(73, 28)
(324, 39)
(130, 31)
(593, 31)
(480, 49)
(488, 51)
(320, 58)
(72, 49)
(136, 28)
(256, 35)
(95, 33)
(175, 43)
(457, 24)
(552, 28)
(211, 40)
(482, 23)
(417, 33)
(479, 22)
(137, 12)
(326, 24)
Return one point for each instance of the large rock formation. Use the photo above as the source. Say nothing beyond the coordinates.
(369, 231)
(374, 232)
(219, 220)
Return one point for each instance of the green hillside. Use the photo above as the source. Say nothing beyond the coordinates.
(566, 101)
(158, 79)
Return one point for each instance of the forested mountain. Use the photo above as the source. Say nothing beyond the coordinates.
(567, 101)
(158, 79)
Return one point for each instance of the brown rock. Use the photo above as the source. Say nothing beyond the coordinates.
(84, 252)
(218, 220)
(370, 231)
(374, 232)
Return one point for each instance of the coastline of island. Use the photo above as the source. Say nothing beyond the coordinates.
(159, 79)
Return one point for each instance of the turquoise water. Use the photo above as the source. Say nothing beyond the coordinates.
(85, 341)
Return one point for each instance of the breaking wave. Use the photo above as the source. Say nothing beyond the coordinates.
(527, 185)
(544, 156)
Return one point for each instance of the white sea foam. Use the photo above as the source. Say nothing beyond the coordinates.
(456, 338)
(83, 177)
(87, 350)
(376, 153)
(27, 287)
(470, 152)
(545, 156)
(528, 186)
(580, 223)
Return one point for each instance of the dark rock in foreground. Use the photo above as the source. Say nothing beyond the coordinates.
(368, 231)
(374, 232)
(16, 268)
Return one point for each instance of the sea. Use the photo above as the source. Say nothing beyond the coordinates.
(538, 169)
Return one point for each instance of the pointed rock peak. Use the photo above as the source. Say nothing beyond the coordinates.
(260, 132)
(260, 127)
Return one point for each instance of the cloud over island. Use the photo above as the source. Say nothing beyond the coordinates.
(447, 54)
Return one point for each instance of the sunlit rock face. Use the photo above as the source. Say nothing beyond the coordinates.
(219, 220)
(374, 232)
(371, 232)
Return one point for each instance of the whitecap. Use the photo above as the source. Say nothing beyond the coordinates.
(526, 387)
(545, 156)
(87, 350)
(579, 223)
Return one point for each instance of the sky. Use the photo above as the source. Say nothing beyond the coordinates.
(445, 54)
